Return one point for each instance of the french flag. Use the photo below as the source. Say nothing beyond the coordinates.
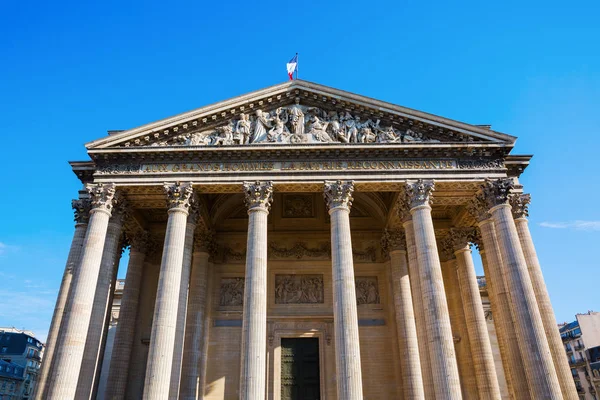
(292, 66)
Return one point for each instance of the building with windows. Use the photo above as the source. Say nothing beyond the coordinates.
(304, 242)
(581, 339)
(19, 348)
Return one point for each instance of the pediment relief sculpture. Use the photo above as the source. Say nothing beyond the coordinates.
(301, 124)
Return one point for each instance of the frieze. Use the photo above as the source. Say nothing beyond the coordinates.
(298, 289)
(298, 206)
(367, 290)
(231, 292)
(299, 251)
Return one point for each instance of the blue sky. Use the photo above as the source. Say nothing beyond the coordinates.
(70, 71)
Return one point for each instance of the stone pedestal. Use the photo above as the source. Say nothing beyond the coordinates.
(412, 381)
(338, 196)
(259, 196)
(519, 204)
(192, 374)
(82, 210)
(537, 360)
(119, 362)
(164, 324)
(69, 355)
(444, 368)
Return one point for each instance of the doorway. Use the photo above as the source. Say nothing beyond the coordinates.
(300, 375)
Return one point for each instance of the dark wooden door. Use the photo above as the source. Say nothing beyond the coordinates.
(300, 376)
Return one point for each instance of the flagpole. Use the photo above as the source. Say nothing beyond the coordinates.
(297, 64)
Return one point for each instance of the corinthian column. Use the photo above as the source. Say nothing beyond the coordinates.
(82, 210)
(164, 323)
(338, 196)
(481, 349)
(537, 360)
(68, 358)
(258, 198)
(192, 374)
(96, 336)
(520, 204)
(119, 361)
(412, 381)
(489, 249)
(417, 298)
(444, 368)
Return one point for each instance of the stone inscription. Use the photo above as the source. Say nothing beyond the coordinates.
(298, 289)
(367, 290)
(232, 292)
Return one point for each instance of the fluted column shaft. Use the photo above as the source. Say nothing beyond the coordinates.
(68, 358)
(537, 360)
(192, 383)
(439, 331)
(119, 362)
(82, 213)
(481, 349)
(412, 381)
(512, 362)
(559, 357)
(254, 325)
(96, 336)
(164, 324)
(183, 304)
(345, 315)
(419, 310)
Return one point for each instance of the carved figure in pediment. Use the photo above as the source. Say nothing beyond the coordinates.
(242, 130)
(296, 113)
(224, 135)
(318, 129)
(279, 132)
(388, 135)
(365, 131)
(350, 125)
(411, 136)
(261, 125)
(334, 128)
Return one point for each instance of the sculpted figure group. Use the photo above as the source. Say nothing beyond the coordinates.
(298, 124)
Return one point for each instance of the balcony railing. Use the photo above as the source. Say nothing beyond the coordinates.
(577, 362)
(579, 346)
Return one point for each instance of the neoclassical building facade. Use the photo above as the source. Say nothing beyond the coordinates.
(302, 242)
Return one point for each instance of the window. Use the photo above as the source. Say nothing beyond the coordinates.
(29, 340)
(4, 349)
(1, 367)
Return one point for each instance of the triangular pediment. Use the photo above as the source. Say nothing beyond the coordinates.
(300, 112)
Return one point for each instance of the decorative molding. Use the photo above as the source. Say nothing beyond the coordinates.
(230, 254)
(231, 293)
(298, 206)
(420, 192)
(367, 255)
(338, 194)
(179, 195)
(258, 195)
(81, 209)
(299, 289)
(520, 204)
(367, 290)
(497, 192)
(101, 195)
(299, 251)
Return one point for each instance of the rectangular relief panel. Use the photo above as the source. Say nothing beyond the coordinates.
(298, 289)
(367, 290)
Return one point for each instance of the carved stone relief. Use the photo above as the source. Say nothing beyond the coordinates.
(298, 206)
(367, 290)
(232, 292)
(298, 289)
(299, 251)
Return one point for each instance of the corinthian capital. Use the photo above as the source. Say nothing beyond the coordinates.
(101, 195)
(420, 192)
(496, 192)
(461, 237)
(179, 195)
(403, 207)
(204, 241)
(338, 194)
(520, 204)
(81, 208)
(139, 240)
(478, 207)
(258, 195)
(120, 210)
(393, 240)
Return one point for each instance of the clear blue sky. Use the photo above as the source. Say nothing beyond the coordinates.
(70, 71)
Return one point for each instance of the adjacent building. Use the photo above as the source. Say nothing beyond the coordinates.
(20, 356)
(582, 343)
(304, 242)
